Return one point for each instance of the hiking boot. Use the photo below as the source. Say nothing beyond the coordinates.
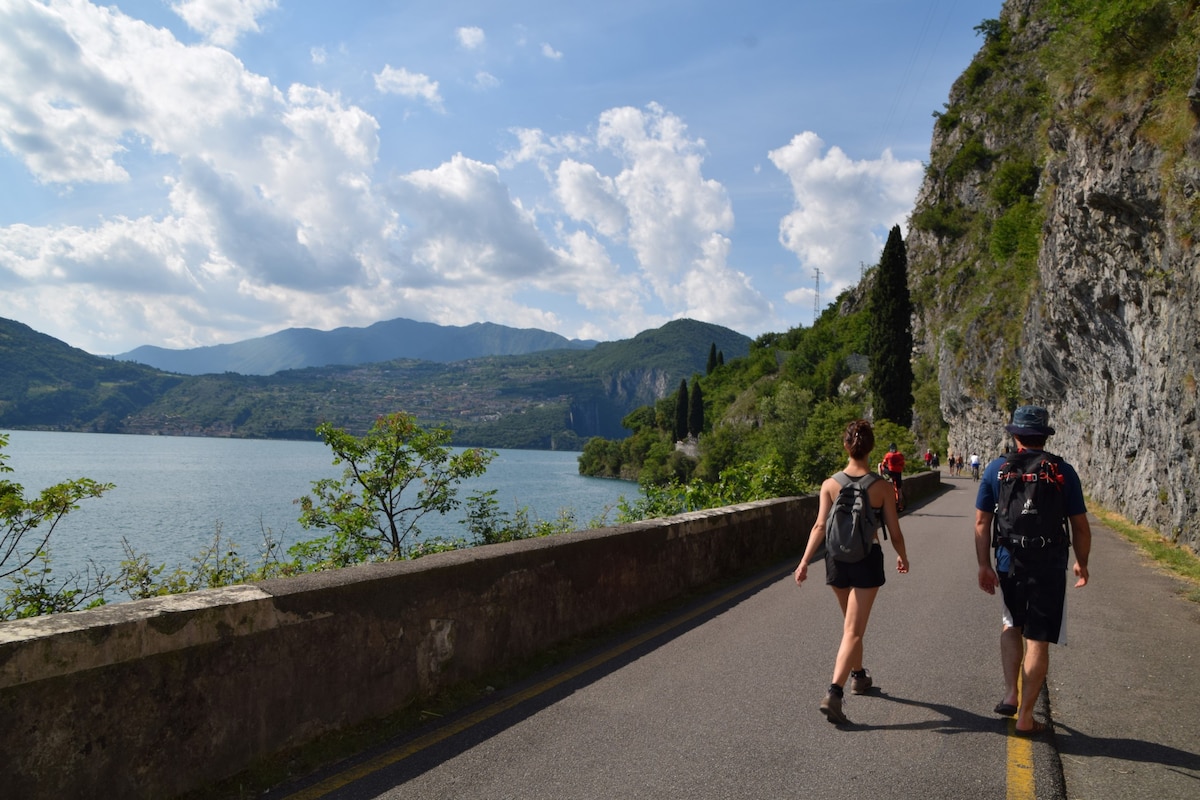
(831, 707)
(860, 685)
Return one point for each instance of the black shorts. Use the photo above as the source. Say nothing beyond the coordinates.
(865, 574)
(1035, 600)
(897, 477)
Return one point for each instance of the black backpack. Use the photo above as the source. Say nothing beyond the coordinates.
(1031, 510)
(851, 524)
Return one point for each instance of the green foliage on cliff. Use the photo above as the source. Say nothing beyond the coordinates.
(773, 421)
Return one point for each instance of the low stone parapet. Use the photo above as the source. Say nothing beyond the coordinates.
(159, 697)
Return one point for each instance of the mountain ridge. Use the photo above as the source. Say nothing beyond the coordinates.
(552, 399)
(297, 348)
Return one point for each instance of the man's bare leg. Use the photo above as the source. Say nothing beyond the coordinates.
(1033, 675)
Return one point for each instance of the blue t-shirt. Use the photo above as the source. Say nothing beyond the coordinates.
(989, 495)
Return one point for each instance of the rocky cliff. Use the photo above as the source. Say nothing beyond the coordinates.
(1053, 251)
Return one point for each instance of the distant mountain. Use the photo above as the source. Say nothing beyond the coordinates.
(296, 348)
(550, 399)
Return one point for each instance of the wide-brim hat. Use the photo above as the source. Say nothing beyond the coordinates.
(1030, 421)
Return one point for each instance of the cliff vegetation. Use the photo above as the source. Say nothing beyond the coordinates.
(1052, 250)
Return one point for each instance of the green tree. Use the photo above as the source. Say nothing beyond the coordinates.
(370, 510)
(35, 517)
(681, 411)
(712, 359)
(696, 410)
(26, 525)
(889, 338)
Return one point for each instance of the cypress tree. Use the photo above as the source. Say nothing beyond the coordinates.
(681, 411)
(696, 410)
(712, 359)
(889, 337)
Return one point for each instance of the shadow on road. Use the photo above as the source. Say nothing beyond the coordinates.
(406, 757)
(1072, 742)
(956, 720)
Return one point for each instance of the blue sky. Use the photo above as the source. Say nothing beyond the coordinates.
(192, 172)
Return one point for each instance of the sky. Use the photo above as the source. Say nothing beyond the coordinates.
(183, 173)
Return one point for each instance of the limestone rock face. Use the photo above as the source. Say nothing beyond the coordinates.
(1109, 338)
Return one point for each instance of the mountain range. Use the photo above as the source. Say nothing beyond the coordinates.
(549, 399)
(296, 348)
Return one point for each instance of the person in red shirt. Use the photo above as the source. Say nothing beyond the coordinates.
(893, 465)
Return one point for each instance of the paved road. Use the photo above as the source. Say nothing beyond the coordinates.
(720, 700)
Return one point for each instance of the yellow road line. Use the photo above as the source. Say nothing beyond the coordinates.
(1020, 783)
(359, 771)
(1020, 780)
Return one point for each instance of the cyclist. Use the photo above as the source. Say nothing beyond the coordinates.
(974, 466)
(893, 465)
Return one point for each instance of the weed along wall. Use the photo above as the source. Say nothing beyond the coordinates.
(159, 697)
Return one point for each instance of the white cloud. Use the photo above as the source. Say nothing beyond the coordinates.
(222, 22)
(671, 207)
(550, 53)
(597, 283)
(465, 230)
(844, 208)
(408, 84)
(318, 55)
(471, 38)
(662, 207)
(486, 80)
(716, 293)
(270, 212)
(535, 147)
(590, 197)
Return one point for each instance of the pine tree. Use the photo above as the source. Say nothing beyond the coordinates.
(696, 410)
(681, 411)
(889, 338)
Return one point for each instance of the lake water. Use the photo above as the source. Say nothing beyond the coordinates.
(172, 493)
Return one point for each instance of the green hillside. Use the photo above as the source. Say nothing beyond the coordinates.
(772, 420)
(555, 399)
(48, 384)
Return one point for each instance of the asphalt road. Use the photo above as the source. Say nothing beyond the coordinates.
(720, 700)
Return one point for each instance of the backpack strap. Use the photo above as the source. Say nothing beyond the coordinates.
(882, 525)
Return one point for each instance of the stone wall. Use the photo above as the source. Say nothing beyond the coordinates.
(158, 697)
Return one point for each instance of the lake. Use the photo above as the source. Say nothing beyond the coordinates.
(173, 493)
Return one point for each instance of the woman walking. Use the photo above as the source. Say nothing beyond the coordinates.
(854, 584)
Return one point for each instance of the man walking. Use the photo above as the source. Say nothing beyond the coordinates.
(1026, 503)
(893, 467)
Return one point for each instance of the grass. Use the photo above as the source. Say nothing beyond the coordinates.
(1175, 559)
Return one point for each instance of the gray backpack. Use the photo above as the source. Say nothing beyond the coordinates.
(851, 524)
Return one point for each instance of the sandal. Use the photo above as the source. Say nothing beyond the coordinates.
(1037, 730)
(1006, 709)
